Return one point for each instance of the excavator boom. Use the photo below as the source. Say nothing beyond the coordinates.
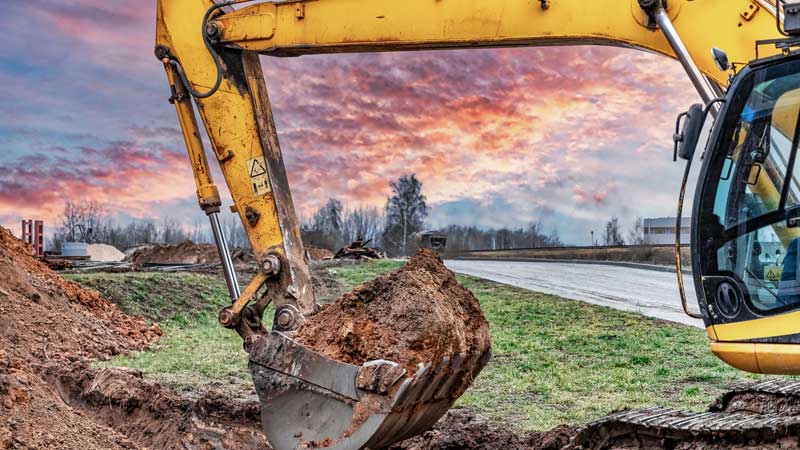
(211, 51)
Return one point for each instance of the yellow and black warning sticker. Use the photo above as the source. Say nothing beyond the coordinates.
(773, 273)
(259, 178)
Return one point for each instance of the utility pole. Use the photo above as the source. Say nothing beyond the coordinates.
(592, 233)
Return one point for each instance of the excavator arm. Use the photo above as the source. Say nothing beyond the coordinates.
(211, 56)
(213, 50)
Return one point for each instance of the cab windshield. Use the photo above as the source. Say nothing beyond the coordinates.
(752, 232)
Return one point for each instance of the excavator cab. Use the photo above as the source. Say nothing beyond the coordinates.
(746, 221)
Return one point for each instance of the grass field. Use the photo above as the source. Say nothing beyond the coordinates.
(555, 360)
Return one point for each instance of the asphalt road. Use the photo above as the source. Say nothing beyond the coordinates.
(647, 292)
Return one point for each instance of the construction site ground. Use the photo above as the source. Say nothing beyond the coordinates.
(77, 372)
(555, 361)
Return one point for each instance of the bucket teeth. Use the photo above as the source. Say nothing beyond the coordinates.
(310, 401)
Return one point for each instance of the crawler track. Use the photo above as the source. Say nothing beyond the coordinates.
(764, 415)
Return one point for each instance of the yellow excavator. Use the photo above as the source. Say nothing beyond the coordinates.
(742, 57)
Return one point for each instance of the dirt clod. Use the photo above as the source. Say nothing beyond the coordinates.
(418, 313)
(184, 253)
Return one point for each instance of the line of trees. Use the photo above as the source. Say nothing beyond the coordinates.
(90, 222)
(332, 226)
(463, 238)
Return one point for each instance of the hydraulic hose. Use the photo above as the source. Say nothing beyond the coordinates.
(211, 51)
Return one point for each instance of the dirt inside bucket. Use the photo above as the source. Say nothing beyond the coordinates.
(416, 314)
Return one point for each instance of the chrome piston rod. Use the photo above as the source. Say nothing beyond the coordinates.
(224, 256)
(695, 75)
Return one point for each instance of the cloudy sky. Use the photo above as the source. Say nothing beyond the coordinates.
(568, 136)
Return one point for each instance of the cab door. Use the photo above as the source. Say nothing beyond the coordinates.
(746, 222)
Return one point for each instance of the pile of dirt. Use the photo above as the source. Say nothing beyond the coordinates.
(462, 429)
(184, 253)
(44, 316)
(104, 253)
(418, 313)
(190, 253)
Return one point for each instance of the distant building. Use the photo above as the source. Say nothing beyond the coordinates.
(661, 230)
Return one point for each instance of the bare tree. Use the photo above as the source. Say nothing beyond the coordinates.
(405, 214)
(613, 234)
(636, 235)
(171, 231)
(363, 223)
(325, 228)
(234, 232)
(82, 222)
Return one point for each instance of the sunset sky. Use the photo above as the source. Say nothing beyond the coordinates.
(568, 136)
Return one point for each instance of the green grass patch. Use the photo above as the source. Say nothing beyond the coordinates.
(560, 361)
(159, 297)
(554, 360)
(195, 349)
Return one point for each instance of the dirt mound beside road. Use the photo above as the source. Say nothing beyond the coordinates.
(418, 313)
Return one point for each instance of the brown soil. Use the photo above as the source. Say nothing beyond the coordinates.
(754, 402)
(154, 416)
(463, 429)
(190, 253)
(418, 313)
(33, 417)
(184, 253)
(46, 318)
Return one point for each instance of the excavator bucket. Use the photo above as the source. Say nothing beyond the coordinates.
(309, 401)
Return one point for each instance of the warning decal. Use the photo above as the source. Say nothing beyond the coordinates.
(259, 180)
(773, 273)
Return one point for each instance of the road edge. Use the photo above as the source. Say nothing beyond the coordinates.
(627, 264)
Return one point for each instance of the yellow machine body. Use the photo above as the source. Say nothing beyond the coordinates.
(238, 119)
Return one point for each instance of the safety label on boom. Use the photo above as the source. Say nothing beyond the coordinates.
(259, 179)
